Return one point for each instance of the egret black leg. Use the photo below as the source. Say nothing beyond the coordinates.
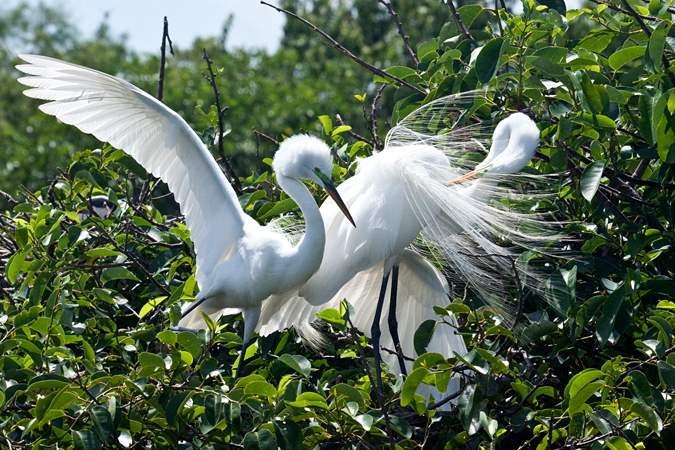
(376, 333)
(193, 306)
(240, 366)
(393, 323)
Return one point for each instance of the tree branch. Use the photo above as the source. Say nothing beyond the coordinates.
(460, 24)
(400, 31)
(234, 179)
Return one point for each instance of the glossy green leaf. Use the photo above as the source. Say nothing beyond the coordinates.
(117, 273)
(666, 374)
(624, 56)
(176, 404)
(262, 440)
(655, 46)
(103, 424)
(647, 414)
(260, 388)
(289, 434)
(423, 335)
(298, 363)
(487, 61)
(86, 440)
(590, 179)
(411, 384)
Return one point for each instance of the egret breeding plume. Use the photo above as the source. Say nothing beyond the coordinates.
(418, 184)
(239, 262)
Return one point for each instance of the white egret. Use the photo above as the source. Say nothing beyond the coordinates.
(239, 262)
(395, 195)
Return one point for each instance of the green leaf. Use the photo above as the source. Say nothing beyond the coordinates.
(15, 265)
(103, 423)
(289, 434)
(351, 393)
(340, 129)
(590, 100)
(487, 61)
(175, 406)
(151, 305)
(648, 415)
(625, 55)
(428, 360)
(298, 363)
(423, 336)
(580, 398)
(146, 359)
(101, 252)
(309, 399)
(260, 388)
(666, 374)
(548, 67)
(594, 120)
(411, 384)
(279, 208)
(47, 381)
(580, 380)
(327, 124)
(655, 46)
(85, 440)
(262, 440)
(590, 179)
(167, 337)
(117, 273)
(190, 342)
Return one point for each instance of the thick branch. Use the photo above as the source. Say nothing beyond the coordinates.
(342, 49)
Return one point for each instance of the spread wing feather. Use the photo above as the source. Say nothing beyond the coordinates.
(117, 112)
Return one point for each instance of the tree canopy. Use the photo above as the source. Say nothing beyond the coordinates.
(86, 357)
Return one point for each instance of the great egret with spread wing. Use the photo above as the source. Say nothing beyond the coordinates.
(398, 193)
(239, 262)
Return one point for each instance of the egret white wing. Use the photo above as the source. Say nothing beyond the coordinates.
(118, 112)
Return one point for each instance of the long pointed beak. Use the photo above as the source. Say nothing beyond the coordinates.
(332, 191)
(469, 176)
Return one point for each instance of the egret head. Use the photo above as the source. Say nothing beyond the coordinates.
(514, 142)
(306, 157)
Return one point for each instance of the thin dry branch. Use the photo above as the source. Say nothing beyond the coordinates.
(460, 24)
(234, 179)
(400, 31)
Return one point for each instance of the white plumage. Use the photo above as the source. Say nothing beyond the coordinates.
(239, 262)
(396, 195)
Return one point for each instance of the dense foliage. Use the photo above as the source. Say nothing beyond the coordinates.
(87, 360)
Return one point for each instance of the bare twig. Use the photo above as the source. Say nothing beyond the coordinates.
(9, 198)
(442, 402)
(400, 31)
(373, 118)
(162, 65)
(263, 135)
(460, 24)
(342, 49)
(234, 179)
(356, 136)
(145, 189)
(27, 191)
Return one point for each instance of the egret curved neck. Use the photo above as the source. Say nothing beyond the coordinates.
(309, 252)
